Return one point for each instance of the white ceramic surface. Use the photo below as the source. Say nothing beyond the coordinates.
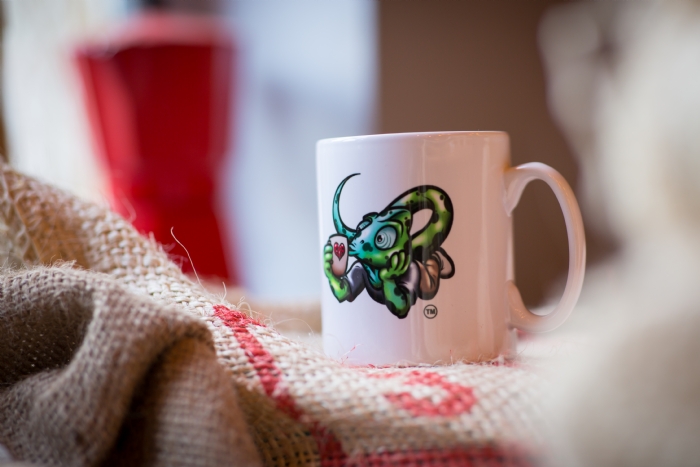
(465, 305)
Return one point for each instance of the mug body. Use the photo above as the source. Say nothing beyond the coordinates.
(421, 218)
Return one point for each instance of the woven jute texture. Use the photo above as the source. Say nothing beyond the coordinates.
(93, 374)
(302, 408)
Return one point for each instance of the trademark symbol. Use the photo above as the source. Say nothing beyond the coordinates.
(430, 311)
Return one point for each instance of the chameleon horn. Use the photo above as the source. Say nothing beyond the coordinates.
(340, 227)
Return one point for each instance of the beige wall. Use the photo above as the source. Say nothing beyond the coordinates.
(474, 65)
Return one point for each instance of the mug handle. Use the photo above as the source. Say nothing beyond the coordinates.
(516, 178)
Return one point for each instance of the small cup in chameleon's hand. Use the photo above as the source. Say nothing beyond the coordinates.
(426, 218)
(339, 243)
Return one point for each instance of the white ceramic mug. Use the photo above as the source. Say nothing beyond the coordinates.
(425, 220)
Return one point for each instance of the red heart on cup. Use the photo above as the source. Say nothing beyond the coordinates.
(339, 250)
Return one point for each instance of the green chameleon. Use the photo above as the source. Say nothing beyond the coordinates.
(393, 265)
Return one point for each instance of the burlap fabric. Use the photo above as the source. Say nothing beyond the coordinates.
(302, 407)
(92, 374)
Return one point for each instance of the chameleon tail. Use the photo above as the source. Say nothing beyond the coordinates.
(426, 241)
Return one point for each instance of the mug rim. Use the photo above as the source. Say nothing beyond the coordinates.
(410, 134)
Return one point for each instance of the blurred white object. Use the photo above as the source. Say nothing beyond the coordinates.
(307, 71)
(47, 128)
(630, 399)
(581, 44)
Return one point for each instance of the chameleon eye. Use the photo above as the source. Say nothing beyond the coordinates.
(385, 238)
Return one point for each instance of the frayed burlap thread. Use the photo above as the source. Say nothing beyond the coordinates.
(302, 407)
(92, 374)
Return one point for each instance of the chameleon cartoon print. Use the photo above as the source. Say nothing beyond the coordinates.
(393, 265)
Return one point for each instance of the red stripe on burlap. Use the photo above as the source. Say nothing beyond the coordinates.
(477, 456)
(459, 399)
(329, 448)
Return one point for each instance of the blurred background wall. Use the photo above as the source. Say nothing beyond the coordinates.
(306, 70)
(474, 65)
(47, 128)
